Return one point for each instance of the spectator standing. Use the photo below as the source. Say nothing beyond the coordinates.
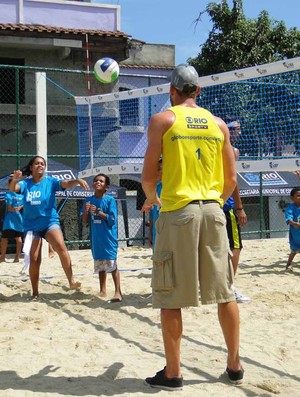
(41, 218)
(292, 217)
(12, 224)
(100, 211)
(235, 215)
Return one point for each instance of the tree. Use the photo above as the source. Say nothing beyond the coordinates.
(237, 42)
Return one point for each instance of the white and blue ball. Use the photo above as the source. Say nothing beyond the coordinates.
(106, 70)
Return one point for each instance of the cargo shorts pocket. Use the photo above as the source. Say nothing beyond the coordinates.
(220, 219)
(182, 219)
(162, 272)
(160, 223)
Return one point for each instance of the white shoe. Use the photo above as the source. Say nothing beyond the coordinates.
(241, 298)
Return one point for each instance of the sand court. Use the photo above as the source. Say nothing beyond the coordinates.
(72, 343)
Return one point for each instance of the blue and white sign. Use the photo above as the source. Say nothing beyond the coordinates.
(270, 178)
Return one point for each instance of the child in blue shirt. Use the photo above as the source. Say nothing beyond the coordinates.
(41, 218)
(100, 211)
(292, 217)
(12, 224)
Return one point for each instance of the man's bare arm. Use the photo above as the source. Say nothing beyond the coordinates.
(159, 124)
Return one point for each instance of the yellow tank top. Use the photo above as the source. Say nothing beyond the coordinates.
(192, 159)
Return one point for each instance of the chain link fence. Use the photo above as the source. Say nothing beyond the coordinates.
(18, 145)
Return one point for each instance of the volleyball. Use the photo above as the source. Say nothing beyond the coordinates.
(106, 70)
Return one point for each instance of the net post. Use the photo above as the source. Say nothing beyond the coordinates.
(41, 128)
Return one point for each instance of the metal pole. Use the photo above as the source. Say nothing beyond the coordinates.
(41, 128)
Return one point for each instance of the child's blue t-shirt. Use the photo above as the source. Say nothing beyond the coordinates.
(13, 220)
(292, 212)
(103, 233)
(154, 212)
(39, 209)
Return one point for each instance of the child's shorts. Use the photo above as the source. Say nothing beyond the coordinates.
(11, 233)
(105, 265)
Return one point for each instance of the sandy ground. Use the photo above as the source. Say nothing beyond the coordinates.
(75, 344)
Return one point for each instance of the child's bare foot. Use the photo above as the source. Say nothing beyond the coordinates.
(75, 285)
(2, 260)
(117, 298)
(102, 294)
(16, 260)
(34, 298)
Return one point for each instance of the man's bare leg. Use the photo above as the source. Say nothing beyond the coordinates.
(230, 323)
(171, 323)
(235, 259)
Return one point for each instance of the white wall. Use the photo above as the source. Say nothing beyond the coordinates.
(61, 13)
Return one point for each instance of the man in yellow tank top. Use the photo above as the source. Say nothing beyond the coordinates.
(191, 247)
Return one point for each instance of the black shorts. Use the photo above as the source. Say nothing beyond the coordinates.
(11, 233)
(233, 230)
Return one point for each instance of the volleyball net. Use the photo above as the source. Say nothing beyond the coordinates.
(264, 99)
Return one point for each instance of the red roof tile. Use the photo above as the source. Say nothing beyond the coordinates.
(53, 29)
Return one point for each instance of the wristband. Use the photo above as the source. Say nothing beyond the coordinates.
(240, 209)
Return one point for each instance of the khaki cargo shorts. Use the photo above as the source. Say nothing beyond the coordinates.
(191, 250)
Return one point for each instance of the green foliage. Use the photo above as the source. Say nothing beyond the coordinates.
(237, 42)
